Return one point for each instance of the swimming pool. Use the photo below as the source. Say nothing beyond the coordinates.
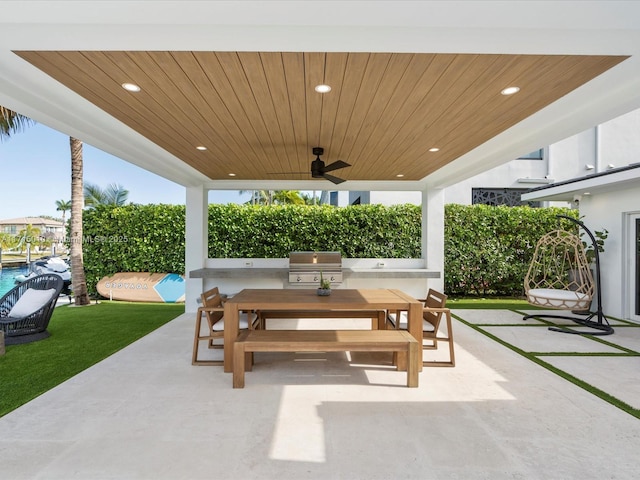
(8, 278)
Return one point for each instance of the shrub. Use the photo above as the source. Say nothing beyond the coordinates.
(487, 249)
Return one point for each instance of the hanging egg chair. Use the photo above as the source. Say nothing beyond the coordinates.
(559, 277)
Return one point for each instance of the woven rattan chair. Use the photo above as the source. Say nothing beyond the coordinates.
(559, 277)
(26, 309)
(212, 310)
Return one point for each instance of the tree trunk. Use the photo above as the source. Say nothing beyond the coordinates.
(78, 280)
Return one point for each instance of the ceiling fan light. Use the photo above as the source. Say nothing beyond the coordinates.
(317, 168)
(322, 88)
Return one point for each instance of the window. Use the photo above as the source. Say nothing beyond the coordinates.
(500, 196)
(537, 155)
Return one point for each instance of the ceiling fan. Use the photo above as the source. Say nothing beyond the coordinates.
(319, 169)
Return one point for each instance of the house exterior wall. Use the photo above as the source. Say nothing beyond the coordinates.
(46, 226)
(620, 141)
(609, 211)
(503, 176)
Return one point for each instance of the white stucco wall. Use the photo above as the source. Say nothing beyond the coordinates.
(620, 140)
(610, 211)
(615, 143)
(503, 176)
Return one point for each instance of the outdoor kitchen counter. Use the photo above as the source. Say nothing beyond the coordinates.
(355, 272)
(240, 272)
(283, 272)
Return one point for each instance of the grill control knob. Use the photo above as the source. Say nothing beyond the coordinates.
(315, 279)
(298, 279)
(333, 279)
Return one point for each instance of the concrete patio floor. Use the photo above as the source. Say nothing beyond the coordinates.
(147, 413)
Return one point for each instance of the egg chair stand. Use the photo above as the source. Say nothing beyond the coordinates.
(548, 282)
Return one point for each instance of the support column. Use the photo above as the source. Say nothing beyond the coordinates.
(196, 235)
(433, 234)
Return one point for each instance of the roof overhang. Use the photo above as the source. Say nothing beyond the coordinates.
(493, 27)
(597, 183)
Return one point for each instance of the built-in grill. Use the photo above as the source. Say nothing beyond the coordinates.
(305, 268)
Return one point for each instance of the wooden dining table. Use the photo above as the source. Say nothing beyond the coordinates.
(307, 300)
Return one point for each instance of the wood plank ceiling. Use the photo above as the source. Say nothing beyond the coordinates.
(258, 115)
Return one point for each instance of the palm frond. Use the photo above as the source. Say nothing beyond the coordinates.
(12, 122)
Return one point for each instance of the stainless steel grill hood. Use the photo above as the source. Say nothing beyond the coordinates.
(305, 267)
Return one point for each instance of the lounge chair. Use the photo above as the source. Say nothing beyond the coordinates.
(26, 309)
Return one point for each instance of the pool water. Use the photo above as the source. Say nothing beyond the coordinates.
(8, 278)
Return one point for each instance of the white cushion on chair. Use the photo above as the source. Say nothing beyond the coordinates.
(404, 322)
(244, 322)
(553, 297)
(31, 301)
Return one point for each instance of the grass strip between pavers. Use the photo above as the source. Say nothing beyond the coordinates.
(576, 381)
(80, 337)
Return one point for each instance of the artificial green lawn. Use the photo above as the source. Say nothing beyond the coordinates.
(517, 305)
(502, 303)
(80, 337)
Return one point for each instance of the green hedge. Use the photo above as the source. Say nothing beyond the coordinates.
(487, 249)
(364, 231)
(133, 238)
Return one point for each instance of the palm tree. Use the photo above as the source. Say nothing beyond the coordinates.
(30, 234)
(259, 197)
(63, 206)
(78, 279)
(7, 241)
(114, 194)
(288, 197)
(269, 197)
(12, 122)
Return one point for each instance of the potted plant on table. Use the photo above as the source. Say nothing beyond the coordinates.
(325, 286)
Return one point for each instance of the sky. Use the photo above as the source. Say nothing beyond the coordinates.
(35, 171)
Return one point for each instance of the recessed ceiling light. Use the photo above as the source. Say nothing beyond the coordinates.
(587, 193)
(131, 87)
(232, 174)
(322, 88)
(510, 90)
(201, 147)
(400, 175)
(434, 149)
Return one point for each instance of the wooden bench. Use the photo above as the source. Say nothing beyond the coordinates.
(324, 341)
(378, 317)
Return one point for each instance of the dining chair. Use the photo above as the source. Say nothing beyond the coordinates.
(212, 310)
(432, 313)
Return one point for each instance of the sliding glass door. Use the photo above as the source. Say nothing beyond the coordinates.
(633, 266)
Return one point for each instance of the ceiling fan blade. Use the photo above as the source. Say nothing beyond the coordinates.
(333, 179)
(336, 165)
(287, 173)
